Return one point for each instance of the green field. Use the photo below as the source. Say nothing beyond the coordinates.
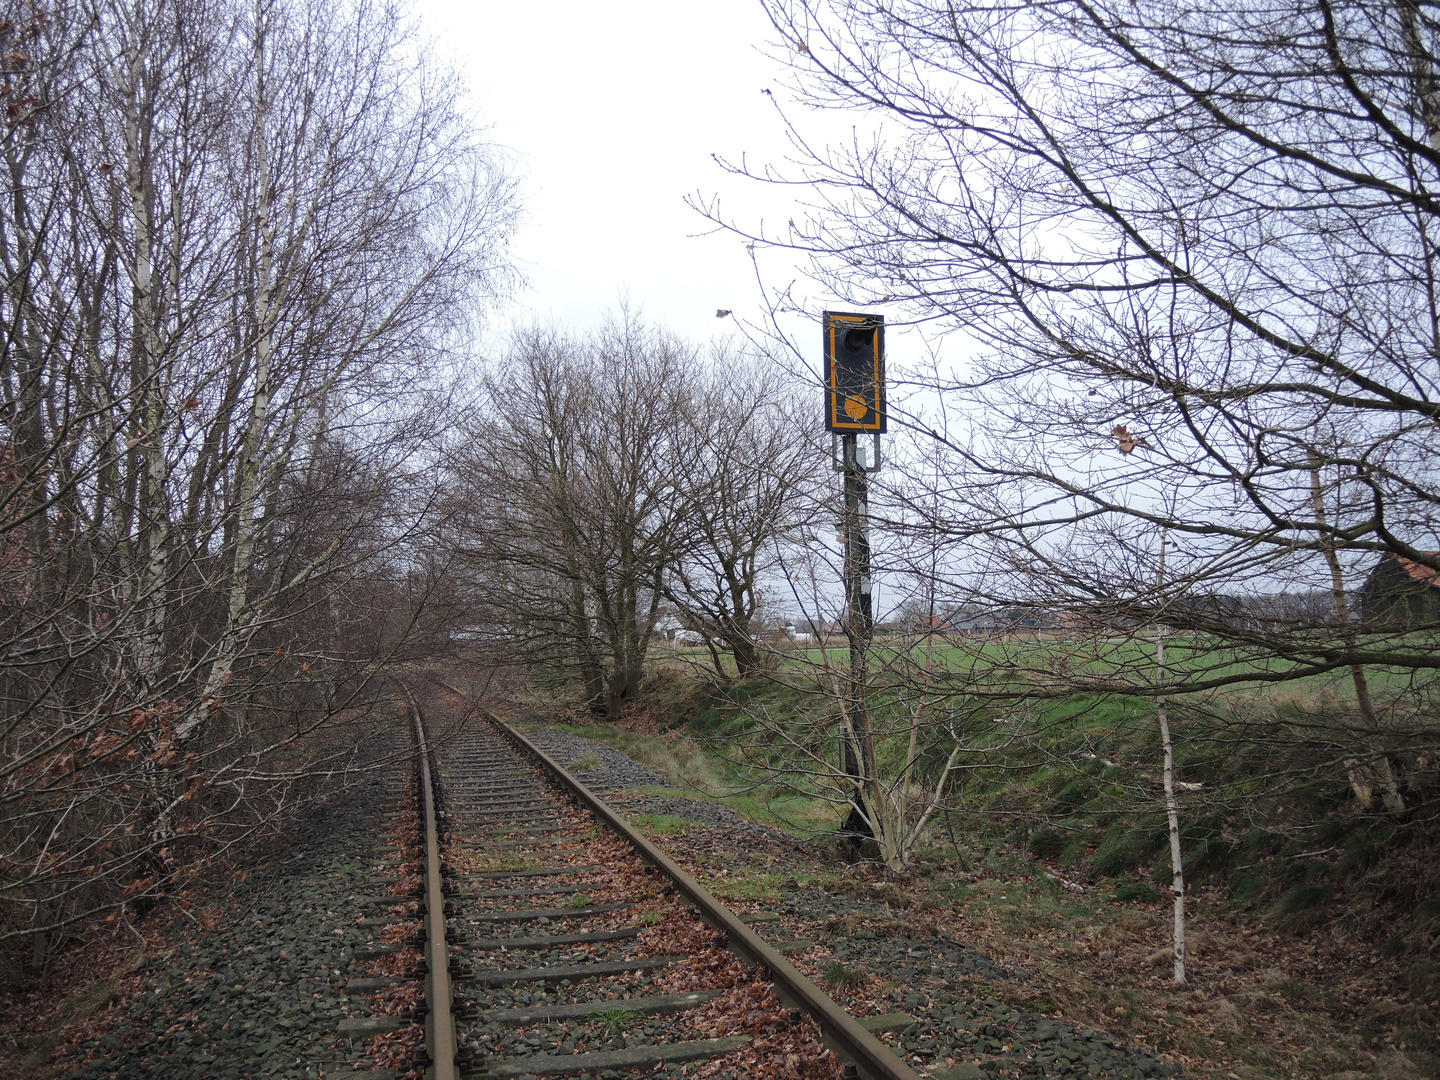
(1054, 665)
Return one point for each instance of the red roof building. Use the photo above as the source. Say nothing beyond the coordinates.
(1401, 592)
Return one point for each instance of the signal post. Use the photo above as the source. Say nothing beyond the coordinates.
(854, 406)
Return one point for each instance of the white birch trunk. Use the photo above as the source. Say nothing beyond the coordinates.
(152, 519)
(251, 459)
(1172, 805)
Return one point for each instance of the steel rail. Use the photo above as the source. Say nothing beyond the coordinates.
(843, 1033)
(439, 1022)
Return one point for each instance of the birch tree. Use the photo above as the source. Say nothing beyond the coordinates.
(240, 243)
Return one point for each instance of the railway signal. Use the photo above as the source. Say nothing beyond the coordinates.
(854, 372)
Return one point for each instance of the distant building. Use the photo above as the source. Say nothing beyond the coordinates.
(667, 627)
(1401, 591)
(973, 621)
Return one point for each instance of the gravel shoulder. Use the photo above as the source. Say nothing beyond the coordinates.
(613, 776)
(250, 983)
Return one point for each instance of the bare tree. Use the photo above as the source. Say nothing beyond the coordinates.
(571, 482)
(1180, 265)
(1191, 258)
(609, 474)
(750, 489)
(238, 243)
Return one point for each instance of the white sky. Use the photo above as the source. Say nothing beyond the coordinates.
(614, 111)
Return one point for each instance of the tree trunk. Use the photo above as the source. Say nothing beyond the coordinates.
(249, 467)
(743, 649)
(1172, 806)
(1172, 812)
(148, 382)
(1381, 767)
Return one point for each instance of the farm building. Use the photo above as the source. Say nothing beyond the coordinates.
(1401, 591)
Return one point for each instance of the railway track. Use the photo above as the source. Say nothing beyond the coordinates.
(561, 942)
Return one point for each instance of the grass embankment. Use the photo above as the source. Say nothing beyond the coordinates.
(1313, 923)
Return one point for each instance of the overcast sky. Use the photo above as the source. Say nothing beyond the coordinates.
(613, 112)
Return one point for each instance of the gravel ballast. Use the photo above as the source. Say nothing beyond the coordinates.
(261, 992)
(616, 774)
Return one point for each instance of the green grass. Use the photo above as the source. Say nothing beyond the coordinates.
(688, 762)
(503, 864)
(1073, 779)
(791, 811)
(841, 977)
(679, 760)
(1132, 891)
(1023, 661)
(661, 824)
(751, 887)
(617, 1019)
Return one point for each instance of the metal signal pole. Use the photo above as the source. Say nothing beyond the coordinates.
(854, 351)
(857, 742)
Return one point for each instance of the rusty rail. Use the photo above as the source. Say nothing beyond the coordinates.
(440, 1041)
(842, 1032)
